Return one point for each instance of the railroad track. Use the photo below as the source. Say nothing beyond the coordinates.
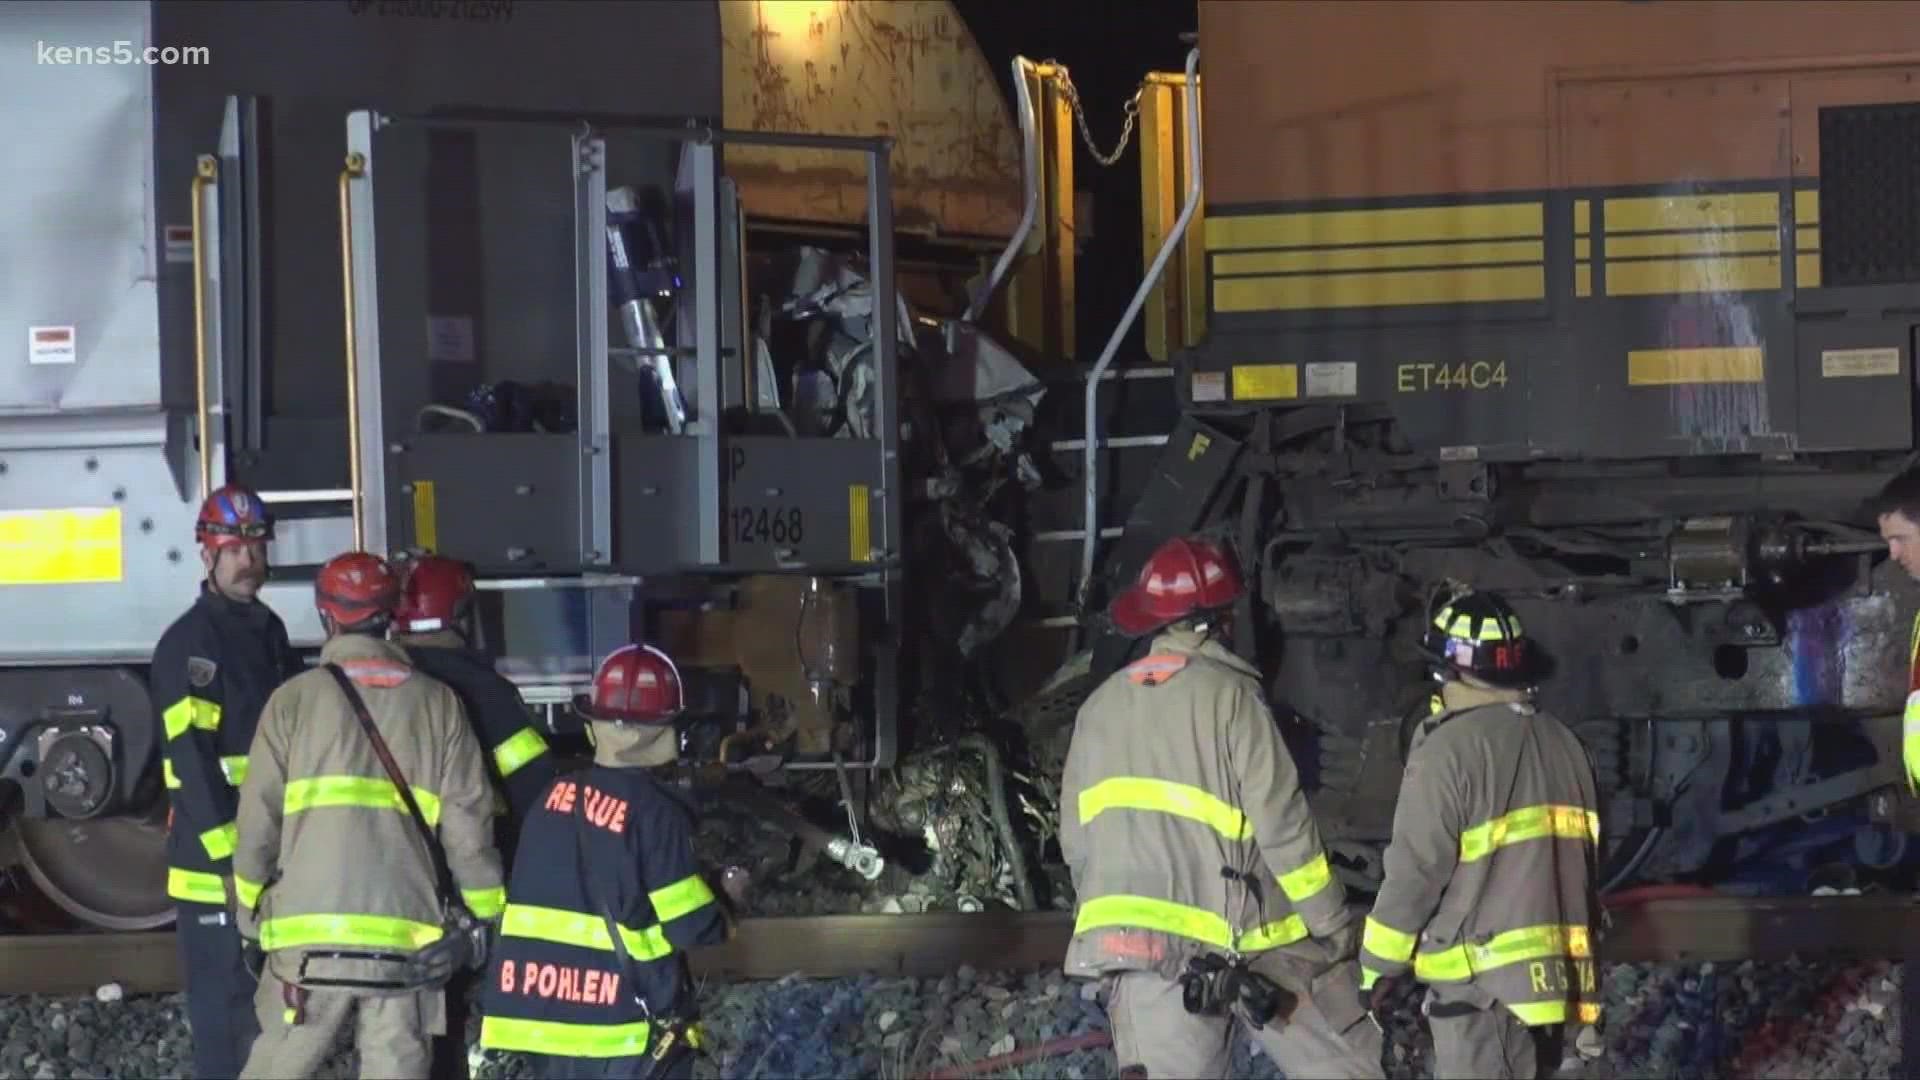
(827, 946)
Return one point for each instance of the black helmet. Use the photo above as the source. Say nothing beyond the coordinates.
(1477, 634)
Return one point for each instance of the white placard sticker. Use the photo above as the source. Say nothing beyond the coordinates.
(1209, 386)
(51, 345)
(179, 243)
(1333, 380)
(1858, 363)
(450, 339)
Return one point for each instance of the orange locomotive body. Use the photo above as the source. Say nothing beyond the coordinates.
(1610, 306)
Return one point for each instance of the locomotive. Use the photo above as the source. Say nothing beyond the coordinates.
(1608, 306)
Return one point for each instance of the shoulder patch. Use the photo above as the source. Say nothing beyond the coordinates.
(200, 671)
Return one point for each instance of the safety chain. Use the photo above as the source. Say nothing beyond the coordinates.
(1131, 110)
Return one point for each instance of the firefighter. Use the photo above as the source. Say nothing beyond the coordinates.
(435, 624)
(212, 671)
(1490, 888)
(341, 896)
(1205, 896)
(1897, 505)
(608, 846)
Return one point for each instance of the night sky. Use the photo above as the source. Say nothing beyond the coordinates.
(1108, 49)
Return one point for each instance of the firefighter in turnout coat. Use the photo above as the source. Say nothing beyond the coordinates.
(1490, 892)
(1188, 838)
(212, 672)
(434, 622)
(335, 880)
(609, 848)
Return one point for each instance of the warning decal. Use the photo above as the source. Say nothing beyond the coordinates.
(60, 547)
(50, 345)
(1859, 363)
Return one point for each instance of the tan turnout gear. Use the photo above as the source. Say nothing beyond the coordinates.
(328, 858)
(1176, 772)
(1489, 889)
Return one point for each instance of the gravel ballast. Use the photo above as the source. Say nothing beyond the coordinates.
(1674, 1020)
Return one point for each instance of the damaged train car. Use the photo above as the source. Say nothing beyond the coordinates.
(680, 339)
(1608, 306)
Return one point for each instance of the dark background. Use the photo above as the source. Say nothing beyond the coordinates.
(1108, 48)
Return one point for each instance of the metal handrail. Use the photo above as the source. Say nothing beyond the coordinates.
(206, 171)
(1030, 162)
(1174, 236)
(355, 168)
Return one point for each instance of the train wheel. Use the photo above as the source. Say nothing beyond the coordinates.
(79, 737)
(109, 872)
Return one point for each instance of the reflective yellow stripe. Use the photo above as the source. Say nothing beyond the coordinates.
(196, 886)
(316, 792)
(1528, 943)
(373, 931)
(1307, 881)
(1385, 942)
(1275, 934)
(190, 712)
(1368, 977)
(1529, 823)
(1461, 626)
(1189, 922)
(1535, 1013)
(1164, 796)
(564, 1040)
(248, 892)
(219, 841)
(485, 903)
(581, 931)
(517, 751)
(1910, 740)
(233, 767)
(689, 894)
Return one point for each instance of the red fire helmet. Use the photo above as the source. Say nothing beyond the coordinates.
(435, 594)
(355, 588)
(1183, 576)
(636, 684)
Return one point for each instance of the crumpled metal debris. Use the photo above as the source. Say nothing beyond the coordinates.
(833, 389)
(942, 795)
(973, 576)
(939, 797)
(971, 452)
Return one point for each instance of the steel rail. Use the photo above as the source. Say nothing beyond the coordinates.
(831, 946)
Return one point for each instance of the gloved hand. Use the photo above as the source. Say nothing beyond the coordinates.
(1381, 990)
(254, 957)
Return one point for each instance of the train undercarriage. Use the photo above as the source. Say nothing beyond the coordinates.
(1725, 636)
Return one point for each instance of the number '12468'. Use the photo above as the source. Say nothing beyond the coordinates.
(762, 524)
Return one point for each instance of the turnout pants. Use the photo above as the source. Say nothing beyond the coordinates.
(1327, 1036)
(1475, 1038)
(219, 990)
(450, 1046)
(392, 1032)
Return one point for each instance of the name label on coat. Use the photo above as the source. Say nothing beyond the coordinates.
(603, 810)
